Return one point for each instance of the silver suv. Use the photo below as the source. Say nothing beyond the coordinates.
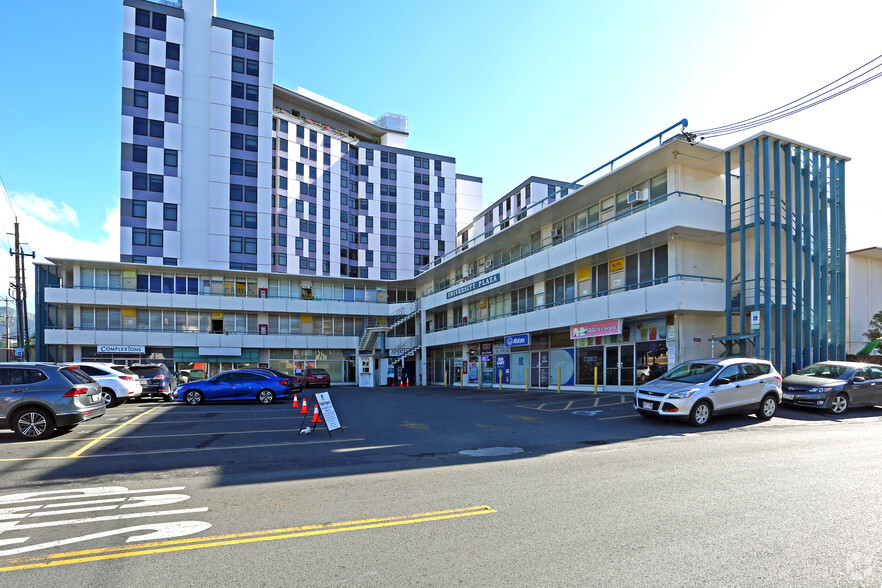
(37, 398)
(695, 390)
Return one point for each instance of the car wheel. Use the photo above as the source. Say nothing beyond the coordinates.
(768, 408)
(839, 404)
(108, 397)
(33, 424)
(193, 397)
(266, 396)
(700, 413)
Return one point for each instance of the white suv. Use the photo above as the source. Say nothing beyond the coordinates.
(695, 390)
(118, 383)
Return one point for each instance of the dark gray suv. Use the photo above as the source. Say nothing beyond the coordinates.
(37, 398)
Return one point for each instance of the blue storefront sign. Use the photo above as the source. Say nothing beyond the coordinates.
(517, 340)
(502, 369)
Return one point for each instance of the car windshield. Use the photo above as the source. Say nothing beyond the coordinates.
(123, 370)
(693, 373)
(825, 370)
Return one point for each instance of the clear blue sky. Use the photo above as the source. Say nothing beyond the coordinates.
(509, 88)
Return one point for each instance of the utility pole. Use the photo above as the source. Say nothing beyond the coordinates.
(21, 307)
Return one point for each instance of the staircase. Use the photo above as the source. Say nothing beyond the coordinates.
(376, 326)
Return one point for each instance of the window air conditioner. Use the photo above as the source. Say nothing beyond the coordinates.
(638, 196)
(555, 233)
(488, 264)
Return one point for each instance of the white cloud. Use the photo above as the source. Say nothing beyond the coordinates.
(41, 226)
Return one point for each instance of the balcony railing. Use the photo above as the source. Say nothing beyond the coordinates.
(551, 242)
(572, 300)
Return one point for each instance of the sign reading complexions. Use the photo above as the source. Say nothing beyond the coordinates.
(474, 285)
(517, 340)
(597, 329)
(121, 349)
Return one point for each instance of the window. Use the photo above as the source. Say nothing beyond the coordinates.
(169, 212)
(173, 51)
(235, 218)
(253, 43)
(252, 67)
(171, 104)
(283, 126)
(313, 136)
(250, 168)
(139, 181)
(171, 158)
(283, 144)
(237, 90)
(139, 153)
(142, 17)
(155, 237)
(235, 244)
(139, 208)
(251, 118)
(157, 128)
(236, 166)
(238, 39)
(141, 99)
(157, 74)
(236, 192)
(156, 182)
(251, 92)
(250, 194)
(299, 132)
(238, 64)
(142, 45)
(142, 72)
(159, 21)
(139, 236)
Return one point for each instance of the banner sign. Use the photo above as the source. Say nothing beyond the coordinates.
(327, 408)
(121, 349)
(597, 329)
(474, 285)
(517, 340)
(617, 265)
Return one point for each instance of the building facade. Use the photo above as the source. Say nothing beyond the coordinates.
(262, 225)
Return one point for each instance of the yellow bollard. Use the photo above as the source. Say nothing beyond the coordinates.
(445, 378)
(595, 379)
(500, 380)
(558, 380)
(462, 380)
(527, 382)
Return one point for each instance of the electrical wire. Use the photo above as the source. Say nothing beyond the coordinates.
(803, 103)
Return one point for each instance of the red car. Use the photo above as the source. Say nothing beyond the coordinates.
(315, 377)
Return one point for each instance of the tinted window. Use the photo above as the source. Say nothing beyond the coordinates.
(92, 371)
(824, 370)
(75, 376)
(11, 377)
(123, 369)
(733, 372)
(146, 370)
(33, 375)
(756, 369)
(876, 373)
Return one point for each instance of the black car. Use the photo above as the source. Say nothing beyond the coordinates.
(157, 381)
(834, 386)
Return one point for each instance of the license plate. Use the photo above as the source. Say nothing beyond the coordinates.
(647, 405)
(94, 397)
(788, 397)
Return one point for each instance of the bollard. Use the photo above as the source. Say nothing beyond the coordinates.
(527, 381)
(500, 380)
(595, 379)
(558, 380)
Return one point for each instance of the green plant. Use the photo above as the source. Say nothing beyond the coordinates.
(874, 329)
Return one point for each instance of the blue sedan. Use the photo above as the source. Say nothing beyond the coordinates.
(235, 385)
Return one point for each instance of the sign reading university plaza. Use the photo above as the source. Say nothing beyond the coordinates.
(474, 285)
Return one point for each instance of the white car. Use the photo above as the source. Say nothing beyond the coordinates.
(118, 383)
(695, 390)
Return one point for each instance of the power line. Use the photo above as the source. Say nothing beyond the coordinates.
(803, 103)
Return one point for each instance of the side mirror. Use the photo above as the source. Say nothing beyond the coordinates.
(722, 381)
(857, 379)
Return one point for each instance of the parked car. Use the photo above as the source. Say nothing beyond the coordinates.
(156, 379)
(236, 385)
(37, 398)
(695, 390)
(294, 382)
(118, 383)
(315, 377)
(835, 386)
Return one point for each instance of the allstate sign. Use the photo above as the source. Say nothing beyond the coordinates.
(517, 340)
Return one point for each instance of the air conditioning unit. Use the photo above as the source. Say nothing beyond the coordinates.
(638, 196)
(488, 264)
(555, 233)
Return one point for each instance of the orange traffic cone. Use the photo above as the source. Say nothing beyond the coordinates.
(401, 384)
(305, 408)
(316, 417)
(408, 382)
(295, 403)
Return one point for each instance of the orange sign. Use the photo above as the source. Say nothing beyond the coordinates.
(617, 264)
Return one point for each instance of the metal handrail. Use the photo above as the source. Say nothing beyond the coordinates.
(628, 287)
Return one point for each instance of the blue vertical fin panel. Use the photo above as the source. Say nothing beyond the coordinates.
(742, 191)
(806, 258)
(779, 309)
(767, 251)
(823, 257)
(728, 225)
(756, 231)
(796, 233)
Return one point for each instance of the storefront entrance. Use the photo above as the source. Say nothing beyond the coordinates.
(619, 367)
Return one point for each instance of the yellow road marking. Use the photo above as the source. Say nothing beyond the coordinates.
(182, 450)
(524, 418)
(415, 426)
(60, 559)
(80, 451)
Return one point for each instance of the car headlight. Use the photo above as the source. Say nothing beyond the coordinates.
(819, 390)
(684, 393)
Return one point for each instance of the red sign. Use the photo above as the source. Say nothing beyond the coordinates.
(262, 329)
(596, 329)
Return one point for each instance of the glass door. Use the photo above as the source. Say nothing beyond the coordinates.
(626, 370)
(612, 366)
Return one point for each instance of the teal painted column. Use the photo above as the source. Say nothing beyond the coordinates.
(756, 234)
(742, 191)
(728, 225)
(808, 358)
(778, 311)
(768, 343)
(795, 162)
(823, 264)
(789, 307)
